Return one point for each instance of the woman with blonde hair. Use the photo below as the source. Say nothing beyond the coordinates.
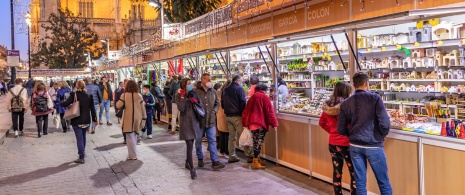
(40, 107)
(134, 116)
(87, 115)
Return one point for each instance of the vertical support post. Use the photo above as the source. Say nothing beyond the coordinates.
(13, 69)
(421, 168)
(274, 75)
(29, 51)
(228, 64)
(352, 58)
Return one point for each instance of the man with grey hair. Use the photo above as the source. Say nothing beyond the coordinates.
(94, 90)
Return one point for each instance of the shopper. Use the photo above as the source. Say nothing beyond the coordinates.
(30, 85)
(168, 102)
(283, 91)
(233, 102)
(87, 116)
(253, 81)
(364, 120)
(149, 109)
(53, 93)
(2, 88)
(63, 94)
(118, 94)
(338, 144)
(257, 117)
(52, 83)
(222, 125)
(94, 90)
(16, 103)
(107, 98)
(174, 109)
(209, 98)
(189, 128)
(134, 116)
(159, 102)
(40, 108)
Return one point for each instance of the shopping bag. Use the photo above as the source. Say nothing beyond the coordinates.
(56, 119)
(246, 138)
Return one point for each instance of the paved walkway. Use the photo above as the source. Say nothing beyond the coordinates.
(31, 165)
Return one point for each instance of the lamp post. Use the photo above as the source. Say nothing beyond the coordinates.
(28, 22)
(156, 4)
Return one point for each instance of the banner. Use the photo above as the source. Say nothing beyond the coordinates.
(13, 58)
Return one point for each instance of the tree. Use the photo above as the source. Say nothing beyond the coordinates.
(68, 42)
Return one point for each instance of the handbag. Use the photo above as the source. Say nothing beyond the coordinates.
(50, 104)
(73, 111)
(56, 119)
(119, 113)
(198, 110)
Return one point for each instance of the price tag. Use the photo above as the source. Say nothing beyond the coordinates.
(314, 54)
(416, 44)
(439, 43)
(463, 41)
(282, 58)
(304, 56)
(383, 48)
(398, 46)
(368, 50)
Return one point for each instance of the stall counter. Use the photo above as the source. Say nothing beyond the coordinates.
(418, 163)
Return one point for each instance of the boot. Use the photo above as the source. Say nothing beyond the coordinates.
(256, 164)
(193, 173)
(187, 165)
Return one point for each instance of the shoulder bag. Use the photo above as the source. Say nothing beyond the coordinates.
(198, 110)
(73, 111)
(119, 113)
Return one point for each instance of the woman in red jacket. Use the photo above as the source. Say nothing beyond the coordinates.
(338, 144)
(257, 116)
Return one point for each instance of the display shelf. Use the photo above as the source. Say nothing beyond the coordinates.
(412, 80)
(299, 80)
(451, 80)
(308, 55)
(299, 87)
(326, 71)
(251, 61)
(295, 72)
(410, 46)
(376, 80)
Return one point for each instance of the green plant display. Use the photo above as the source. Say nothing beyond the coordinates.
(297, 64)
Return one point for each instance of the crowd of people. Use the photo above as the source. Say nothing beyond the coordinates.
(355, 119)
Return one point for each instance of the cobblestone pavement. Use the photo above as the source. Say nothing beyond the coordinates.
(31, 165)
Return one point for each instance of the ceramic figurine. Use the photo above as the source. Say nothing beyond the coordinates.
(461, 51)
(431, 52)
(407, 62)
(451, 59)
(433, 75)
(438, 58)
(394, 87)
(430, 88)
(446, 30)
(441, 74)
(420, 34)
(427, 62)
(402, 87)
(460, 89)
(452, 89)
(417, 62)
(444, 89)
(418, 53)
(462, 61)
(395, 62)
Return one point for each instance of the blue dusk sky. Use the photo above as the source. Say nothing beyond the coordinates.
(5, 30)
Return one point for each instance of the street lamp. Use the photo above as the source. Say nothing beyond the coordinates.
(28, 22)
(157, 4)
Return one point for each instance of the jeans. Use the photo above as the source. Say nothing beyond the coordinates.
(157, 113)
(105, 105)
(338, 155)
(96, 111)
(377, 160)
(42, 123)
(235, 130)
(29, 92)
(80, 140)
(14, 117)
(148, 123)
(211, 137)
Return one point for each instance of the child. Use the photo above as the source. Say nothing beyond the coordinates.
(149, 109)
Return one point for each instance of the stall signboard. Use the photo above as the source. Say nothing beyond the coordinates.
(368, 10)
(288, 22)
(173, 32)
(327, 14)
(12, 58)
(114, 55)
(237, 35)
(260, 30)
(219, 39)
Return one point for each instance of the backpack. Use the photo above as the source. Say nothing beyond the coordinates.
(17, 103)
(41, 103)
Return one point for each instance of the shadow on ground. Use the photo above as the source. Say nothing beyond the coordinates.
(37, 174)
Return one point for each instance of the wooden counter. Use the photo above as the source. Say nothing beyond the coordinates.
(303, 146)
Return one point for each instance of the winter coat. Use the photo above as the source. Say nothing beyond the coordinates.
(283, 92)
(168, 100)
(157, 93)
(109, 90)
(233, 100)
(86, 108)
(134, 114)
(94, 90)
(61, 97)
(328, 121)
(211, 104)
(174, 90)
(189, 126)
(46, 95)
(149, 102)
(118, 93)
(221, 124)
(367, 117)
(259, 111)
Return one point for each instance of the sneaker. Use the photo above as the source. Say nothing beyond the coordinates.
(149, 137)
(92, 131)
(101, 122)
(79, 161)
(233, 159)
(16, 134)
(201, 163)
(217, 165)
(21, 132)
(109, 124)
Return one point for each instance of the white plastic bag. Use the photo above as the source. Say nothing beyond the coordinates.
(246, 138)
(56, 119)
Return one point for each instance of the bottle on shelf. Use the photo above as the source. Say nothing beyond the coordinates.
(452, 129)
(462, 131)
(443, 129)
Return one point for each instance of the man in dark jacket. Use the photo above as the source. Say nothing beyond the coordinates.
(94, 90)
(119, 92)
(364, 120)
(107, 98)
(29, 85)
(209, 98)
(173, 90)
(233, 102)
(168, 102)
(149, 104)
